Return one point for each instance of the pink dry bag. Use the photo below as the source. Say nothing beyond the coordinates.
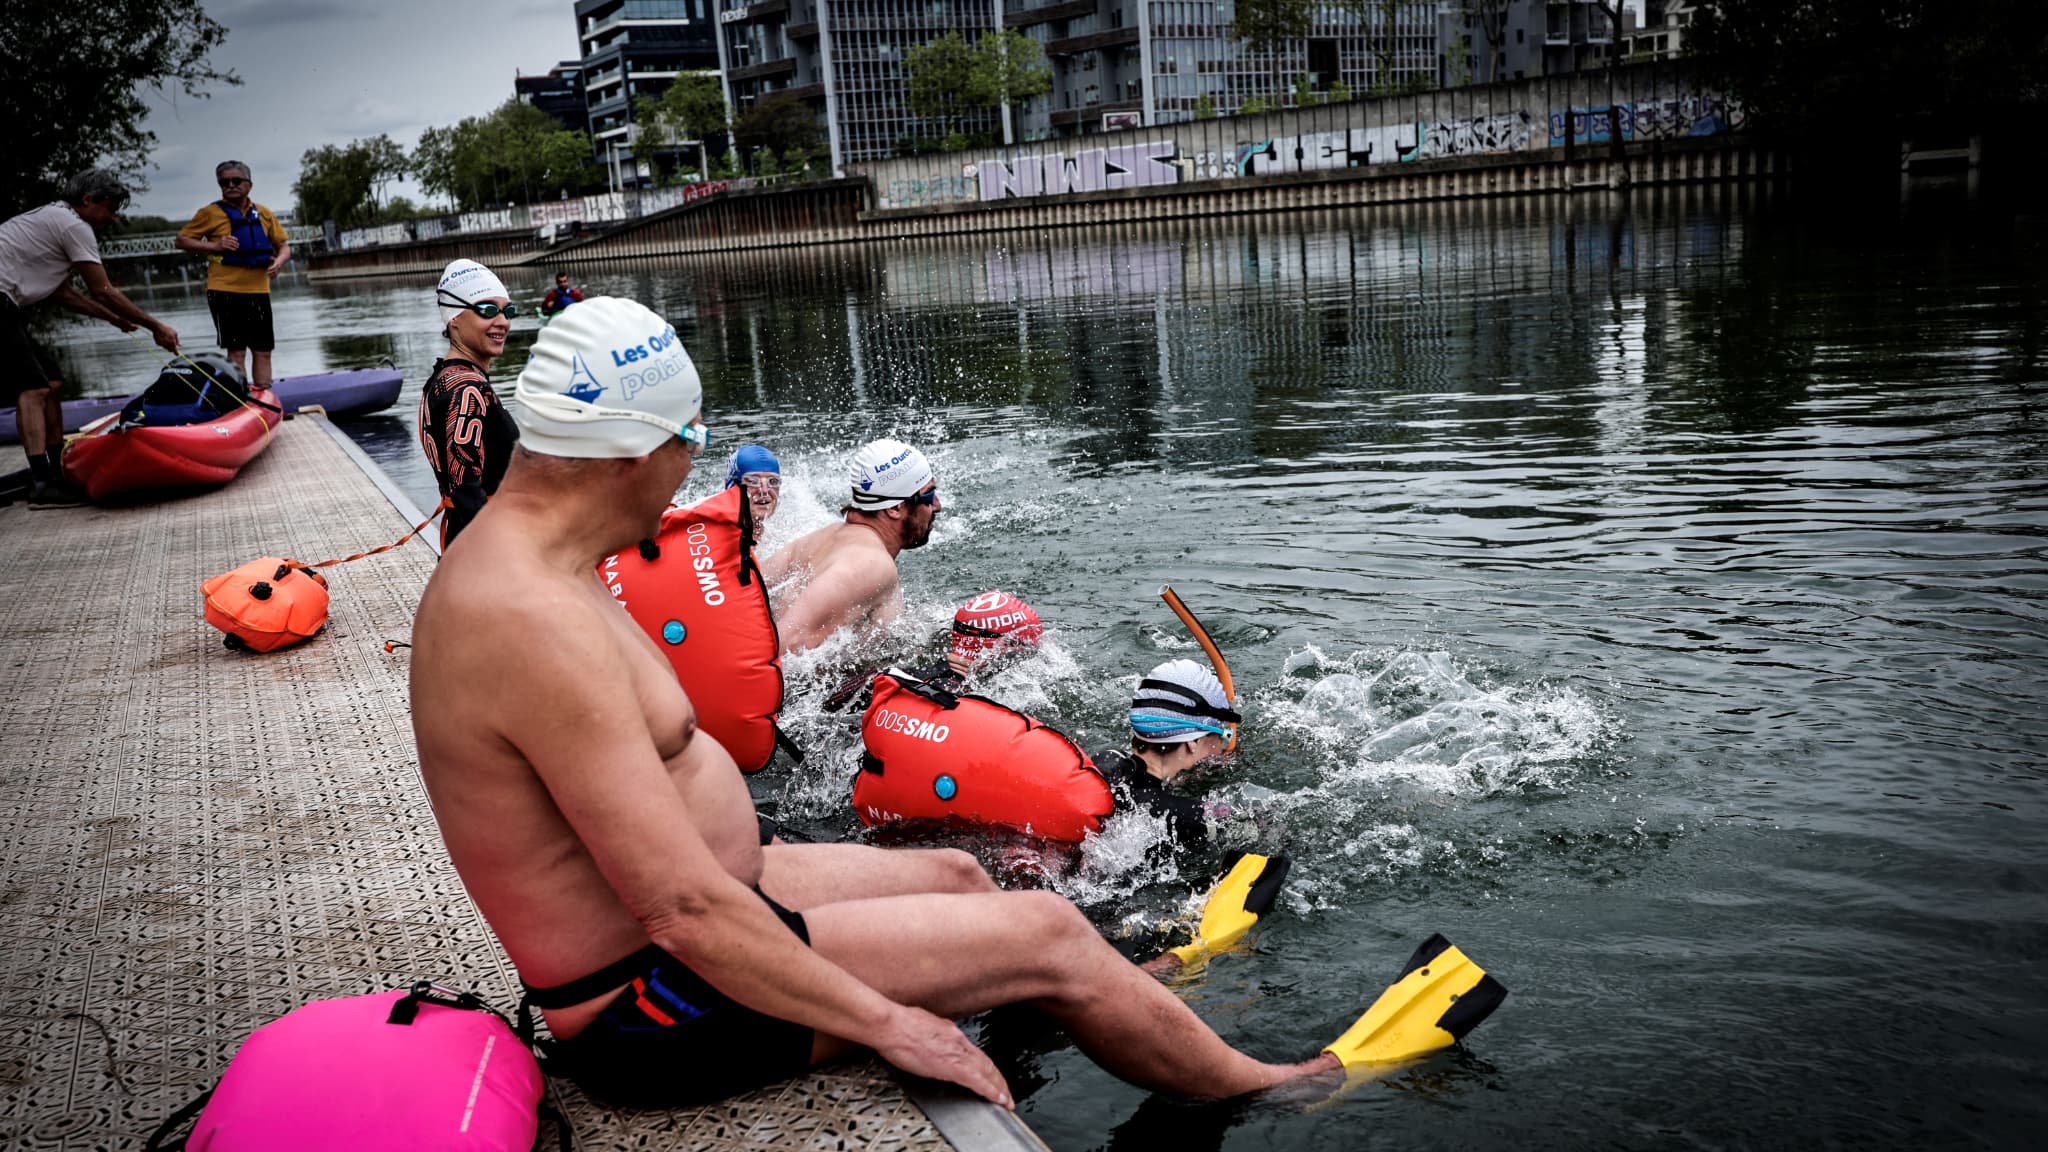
(411, 1069)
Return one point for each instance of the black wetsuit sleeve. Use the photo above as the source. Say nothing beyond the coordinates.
(1184, 815)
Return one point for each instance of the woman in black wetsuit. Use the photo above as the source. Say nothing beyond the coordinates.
(465, 430)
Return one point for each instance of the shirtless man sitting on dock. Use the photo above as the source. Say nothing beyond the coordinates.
(614, 849)
(847, 571)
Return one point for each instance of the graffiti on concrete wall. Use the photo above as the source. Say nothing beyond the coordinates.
(1708, 114)
(921, 193)
(499, 220)
(1090, 170)
(1387, 144)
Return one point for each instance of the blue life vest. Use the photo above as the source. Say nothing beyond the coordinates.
(256, 250)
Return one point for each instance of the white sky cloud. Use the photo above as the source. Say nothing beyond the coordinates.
(322, 72)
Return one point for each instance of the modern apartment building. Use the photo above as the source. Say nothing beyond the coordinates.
(559, 93)
(1656, 29)
(1488, 40)
(844, 58)
(634, 48)
(1115, 63)
(1577, 36)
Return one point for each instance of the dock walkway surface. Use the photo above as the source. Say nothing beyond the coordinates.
(196, 840)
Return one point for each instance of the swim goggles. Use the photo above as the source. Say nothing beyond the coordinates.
(484, 309)
(762, 480)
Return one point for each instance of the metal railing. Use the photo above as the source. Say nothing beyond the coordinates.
(165, 243)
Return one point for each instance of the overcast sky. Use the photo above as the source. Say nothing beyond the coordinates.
(329, 71)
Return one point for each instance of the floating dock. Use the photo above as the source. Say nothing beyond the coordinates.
(194, 841)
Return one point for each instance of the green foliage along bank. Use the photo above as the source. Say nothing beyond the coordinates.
(79, 77)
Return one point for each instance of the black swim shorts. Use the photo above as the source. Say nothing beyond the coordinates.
(241, 319)
(670, 1040)
(23, 365)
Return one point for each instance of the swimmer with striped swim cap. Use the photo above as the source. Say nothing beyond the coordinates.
(844, 575)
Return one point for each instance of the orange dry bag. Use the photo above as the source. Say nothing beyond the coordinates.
(695, 589)
(267, 604)
(934, 755)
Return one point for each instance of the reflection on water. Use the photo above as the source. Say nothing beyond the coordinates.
(1648, 594)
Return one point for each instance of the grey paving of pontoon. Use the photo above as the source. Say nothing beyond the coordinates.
(196, 840)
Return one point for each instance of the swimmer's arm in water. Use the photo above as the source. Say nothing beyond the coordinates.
(778, 566)
(577, 720)
(846, 592)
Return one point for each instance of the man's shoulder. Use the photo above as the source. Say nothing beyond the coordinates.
(209, 217)
(504, 606)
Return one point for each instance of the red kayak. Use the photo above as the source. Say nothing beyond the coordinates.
(163, 450)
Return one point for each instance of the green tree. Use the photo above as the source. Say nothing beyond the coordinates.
(782, 126)
(1340, 93)
(953, 84)
(1264, 24)
(691, 108)
(1856, 74)
(1010, 68)
(942, 81)
(342, 183)
(1205, 107)
(517, 153)
(79, 77)
(1253, 107)
(1304, 90)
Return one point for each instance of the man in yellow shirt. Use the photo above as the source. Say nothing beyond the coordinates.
(245, 246)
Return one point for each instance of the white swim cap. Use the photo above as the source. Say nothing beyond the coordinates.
(886, 473)
(607, 380)
(1180, 701)
(466, 282)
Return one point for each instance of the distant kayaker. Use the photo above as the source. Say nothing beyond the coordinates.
(560, 296)
(467, 434)
(40, 250)
(245, 246)
(757, 470)
(848, 570)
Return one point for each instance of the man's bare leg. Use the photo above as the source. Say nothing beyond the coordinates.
(234, 356)
(804, 876)
(961, 954)
(261, 360)
(32, 418)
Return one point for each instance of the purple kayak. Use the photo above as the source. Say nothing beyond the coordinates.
(350, 393)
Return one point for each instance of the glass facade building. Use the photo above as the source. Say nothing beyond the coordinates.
(631, 49)
(844, 58)
(1115, 63)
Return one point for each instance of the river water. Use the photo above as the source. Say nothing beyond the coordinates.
(1649, 597)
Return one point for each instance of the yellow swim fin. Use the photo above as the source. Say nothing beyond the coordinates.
(1440, 997)
(1245, 893)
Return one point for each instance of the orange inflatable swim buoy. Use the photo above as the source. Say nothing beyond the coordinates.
(267, 604)
(696, 591)
(935, 755)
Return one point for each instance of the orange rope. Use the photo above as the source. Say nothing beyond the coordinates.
(418, 528)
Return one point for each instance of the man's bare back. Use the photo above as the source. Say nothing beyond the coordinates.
(521, 860)
(839, 576)
(844, 575)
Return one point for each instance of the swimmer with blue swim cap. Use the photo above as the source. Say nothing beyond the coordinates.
(760, 472)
